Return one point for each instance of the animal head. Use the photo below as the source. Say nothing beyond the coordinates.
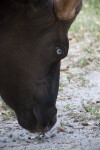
(33, 40)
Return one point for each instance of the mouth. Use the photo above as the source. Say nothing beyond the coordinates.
(40, 130)
(45, 122)
(34, 122)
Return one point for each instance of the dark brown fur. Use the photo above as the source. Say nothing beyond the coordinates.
(30, 34)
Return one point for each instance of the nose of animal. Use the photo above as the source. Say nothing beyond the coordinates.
(46, 119)
(50, 124)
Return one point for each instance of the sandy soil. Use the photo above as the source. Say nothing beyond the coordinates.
(78, 111)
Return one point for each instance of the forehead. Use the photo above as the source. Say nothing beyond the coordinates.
(32, 27)
(10, 7)
(29, 19)
(44, 15)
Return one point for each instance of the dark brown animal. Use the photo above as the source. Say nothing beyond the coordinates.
(33, 40)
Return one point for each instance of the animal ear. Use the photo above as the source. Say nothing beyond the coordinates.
(65, 9)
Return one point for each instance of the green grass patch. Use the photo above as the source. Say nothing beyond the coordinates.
(6, 111)
(87, 60)
(88, 21)
(92, 109)
(67, 107)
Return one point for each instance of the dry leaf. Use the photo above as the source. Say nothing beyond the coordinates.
(88, 123)
(64, 69)
(79, 127)
(85, 124)
(61, 129)
(95, 128)
(96, 101)
(91, 122)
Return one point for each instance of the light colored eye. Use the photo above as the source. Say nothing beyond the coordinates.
(60, 51)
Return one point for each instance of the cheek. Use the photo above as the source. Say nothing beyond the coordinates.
(47, 88)
(54, 79)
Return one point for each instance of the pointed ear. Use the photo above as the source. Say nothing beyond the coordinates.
(65, 9)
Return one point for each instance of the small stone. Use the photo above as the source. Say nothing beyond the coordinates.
(76, 120)
(53, 135)
(10, 136)
(71, 132)
(21, 135)
(29, 138)
(4, 141)
(13, 140)
(85, 124)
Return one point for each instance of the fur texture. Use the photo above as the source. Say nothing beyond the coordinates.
(30, 36)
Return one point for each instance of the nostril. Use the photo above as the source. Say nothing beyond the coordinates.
(52, 121)
(45, 120)
(50, 124)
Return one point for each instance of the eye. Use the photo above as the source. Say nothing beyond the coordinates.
(60, 51)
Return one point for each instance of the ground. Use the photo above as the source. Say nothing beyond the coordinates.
(78, 102)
